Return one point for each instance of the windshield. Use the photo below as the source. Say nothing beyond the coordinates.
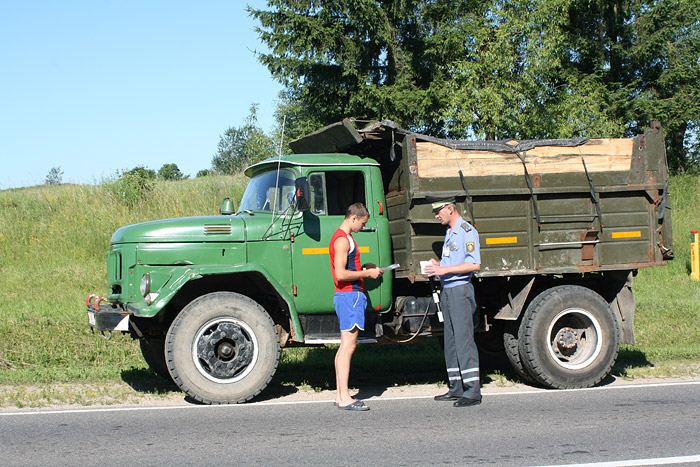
(260, 195)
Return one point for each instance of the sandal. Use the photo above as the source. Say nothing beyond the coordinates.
(356, 406)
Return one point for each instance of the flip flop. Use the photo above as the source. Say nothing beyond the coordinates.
(356, 406)
(356, 400)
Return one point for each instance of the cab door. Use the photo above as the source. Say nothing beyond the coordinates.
(332, 191)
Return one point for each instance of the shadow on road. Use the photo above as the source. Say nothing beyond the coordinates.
(374, 369)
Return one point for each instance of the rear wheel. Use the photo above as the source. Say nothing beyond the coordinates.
(222, 348)
(569, 338)
(510, 344)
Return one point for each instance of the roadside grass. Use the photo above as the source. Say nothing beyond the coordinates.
(53, 241)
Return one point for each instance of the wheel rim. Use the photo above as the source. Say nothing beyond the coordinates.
(225, 350)
(575, 338)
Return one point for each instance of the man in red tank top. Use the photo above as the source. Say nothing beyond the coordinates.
(349, 300)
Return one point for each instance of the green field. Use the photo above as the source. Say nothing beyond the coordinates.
(53, 241)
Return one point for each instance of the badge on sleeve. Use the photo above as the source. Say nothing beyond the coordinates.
(470, 246)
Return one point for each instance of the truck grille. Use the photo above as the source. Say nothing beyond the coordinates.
(114, 265)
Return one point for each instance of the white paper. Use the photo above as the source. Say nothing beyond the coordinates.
(423, 265)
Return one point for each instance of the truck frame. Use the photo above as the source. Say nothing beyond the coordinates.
(564, 225)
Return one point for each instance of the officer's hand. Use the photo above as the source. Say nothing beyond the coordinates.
(430, 267)
(434, 269)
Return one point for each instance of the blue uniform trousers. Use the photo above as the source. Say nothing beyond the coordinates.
(461, 355)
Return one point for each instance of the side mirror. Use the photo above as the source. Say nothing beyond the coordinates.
(227, 207)
(303, 192)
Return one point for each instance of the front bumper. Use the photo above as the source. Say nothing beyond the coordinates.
(105, 316)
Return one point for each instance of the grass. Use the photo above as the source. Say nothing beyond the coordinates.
(53, 241)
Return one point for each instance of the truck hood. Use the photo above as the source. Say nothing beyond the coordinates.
(186, 229)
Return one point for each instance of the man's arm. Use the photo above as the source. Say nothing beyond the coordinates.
(340, 262)
(436, 270)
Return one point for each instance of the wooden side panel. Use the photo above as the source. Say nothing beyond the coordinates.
(601, 155)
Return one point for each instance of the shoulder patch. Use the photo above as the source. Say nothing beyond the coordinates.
(466, 227)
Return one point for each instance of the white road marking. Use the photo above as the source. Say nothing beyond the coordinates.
(633, 462)
(328, 401)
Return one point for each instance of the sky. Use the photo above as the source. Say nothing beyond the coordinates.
(94, 87)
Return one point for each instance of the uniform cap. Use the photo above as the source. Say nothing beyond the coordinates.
(440, 202)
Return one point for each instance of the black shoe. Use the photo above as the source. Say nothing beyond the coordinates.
(446, 397)
(466, 402)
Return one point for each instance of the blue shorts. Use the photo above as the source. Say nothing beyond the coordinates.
(350, 308)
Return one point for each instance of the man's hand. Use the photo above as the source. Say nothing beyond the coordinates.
(434, 268)
(374, 273)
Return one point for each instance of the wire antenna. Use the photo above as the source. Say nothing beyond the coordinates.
(279, 163)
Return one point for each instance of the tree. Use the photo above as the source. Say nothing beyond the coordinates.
(366, 59)
(294, 118)
(517, 76)
(666, 53)
(171, 172)
(55, 176)
(205, 173)
(491, 68)
(242, 146)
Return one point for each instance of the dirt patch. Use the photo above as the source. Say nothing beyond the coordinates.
(80, 396)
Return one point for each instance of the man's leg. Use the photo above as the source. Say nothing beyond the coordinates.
(467, 352)
(348, 342)
(451, 362)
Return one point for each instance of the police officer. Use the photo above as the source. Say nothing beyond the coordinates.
(460, 258)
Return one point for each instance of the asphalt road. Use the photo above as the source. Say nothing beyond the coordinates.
(608, 424)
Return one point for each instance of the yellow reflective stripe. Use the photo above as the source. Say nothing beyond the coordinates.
(314, 251)
(632, 234)
(324, 251)
(501, 240)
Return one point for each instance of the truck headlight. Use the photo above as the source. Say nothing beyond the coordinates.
(145, 286)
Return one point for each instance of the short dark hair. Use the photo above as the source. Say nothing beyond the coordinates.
(357, 209)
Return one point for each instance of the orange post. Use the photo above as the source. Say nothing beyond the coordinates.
(694, 255)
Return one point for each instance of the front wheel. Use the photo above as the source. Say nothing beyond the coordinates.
(222, 348)
(569, 338)
(153, 351)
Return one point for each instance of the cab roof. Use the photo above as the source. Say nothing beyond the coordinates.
(298, 160)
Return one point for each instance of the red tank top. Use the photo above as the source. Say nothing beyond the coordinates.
(352, 265)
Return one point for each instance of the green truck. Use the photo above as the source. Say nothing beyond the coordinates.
(564, 225)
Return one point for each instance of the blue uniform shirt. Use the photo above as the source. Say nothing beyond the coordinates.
(461, 246)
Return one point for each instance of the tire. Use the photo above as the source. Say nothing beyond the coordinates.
(222, 348)
(153, 351)
(569, 338)
(490, 346)
(510, 344)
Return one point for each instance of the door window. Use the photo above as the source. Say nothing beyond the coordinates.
(332, 192)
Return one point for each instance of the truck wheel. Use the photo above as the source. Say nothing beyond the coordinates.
(510, 344)
(568, 338)
(153, 351)
(222, 348)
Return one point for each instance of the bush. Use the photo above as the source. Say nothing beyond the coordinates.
(133, 185)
